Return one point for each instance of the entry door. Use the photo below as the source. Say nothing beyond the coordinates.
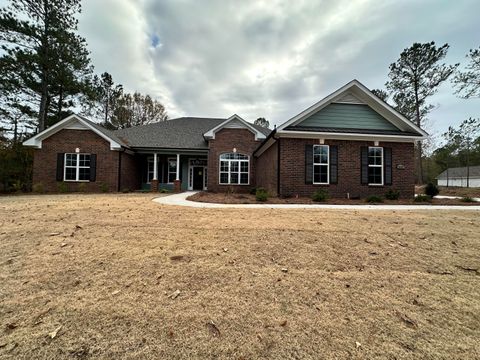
(198, 177)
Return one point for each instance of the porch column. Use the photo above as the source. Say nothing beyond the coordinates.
(177, 184)
(155, 167)
(178, 167)
(154, 181)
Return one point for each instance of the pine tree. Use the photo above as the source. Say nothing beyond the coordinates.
(468, 82)
(44, 62)
(414, 77)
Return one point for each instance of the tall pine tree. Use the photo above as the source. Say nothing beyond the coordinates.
(45, 63)
(414, 77)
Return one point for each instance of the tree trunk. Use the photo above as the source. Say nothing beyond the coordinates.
(60, 104)
(42, 113)
(419, 144)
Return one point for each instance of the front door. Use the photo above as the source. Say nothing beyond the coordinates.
(198, 178)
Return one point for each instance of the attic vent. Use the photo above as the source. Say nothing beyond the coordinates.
(349, 99)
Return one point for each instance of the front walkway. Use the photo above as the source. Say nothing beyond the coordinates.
(181, 200)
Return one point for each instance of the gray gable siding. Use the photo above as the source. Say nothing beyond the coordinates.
(348, 116)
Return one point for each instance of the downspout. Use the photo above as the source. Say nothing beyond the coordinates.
(278, 167)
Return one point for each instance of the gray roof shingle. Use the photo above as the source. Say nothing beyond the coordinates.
(180, 133)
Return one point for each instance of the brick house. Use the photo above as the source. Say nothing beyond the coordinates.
(350, 143)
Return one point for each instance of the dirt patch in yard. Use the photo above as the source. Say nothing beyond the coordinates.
(237, 198)
(118, 276)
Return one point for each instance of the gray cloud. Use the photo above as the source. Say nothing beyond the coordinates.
(269, 58)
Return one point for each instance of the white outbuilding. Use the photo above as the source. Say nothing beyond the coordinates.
(461, 177)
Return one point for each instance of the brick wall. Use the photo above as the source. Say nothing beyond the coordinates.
(225, 140)
(130, 172)
(66, 141)
(292, 169)
(266, 166)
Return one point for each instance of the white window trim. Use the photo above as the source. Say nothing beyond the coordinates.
(229, 172)
(171, 172)
(327, 164)
(380, 166)
(77, 167)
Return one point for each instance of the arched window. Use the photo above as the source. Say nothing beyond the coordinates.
(234, 169)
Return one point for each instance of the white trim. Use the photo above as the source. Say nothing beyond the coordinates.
(382, 166)
(346, 136)
(321, 164)
(210, 134)
(230, 172)
(36, 141)
(360, 91)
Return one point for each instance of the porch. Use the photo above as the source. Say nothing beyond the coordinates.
(173, 171)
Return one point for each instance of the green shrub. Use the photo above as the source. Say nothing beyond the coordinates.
(125, 190)
(431, 190)
(374, 199)
(38, 188)
(261, 194)
(82, 187)
(103, 187)
(467, 199)
(392, 194)
(163, 190)
(320, 195)
(422, 198)
(253, 191)
(17, 186)
(62, 187)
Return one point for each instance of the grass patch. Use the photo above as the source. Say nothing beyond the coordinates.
(402, 284)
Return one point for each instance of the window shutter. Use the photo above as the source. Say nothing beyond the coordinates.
(387, 158)
(333, 164)
(308, 164)
(364, 164)
(60, 166)
(93, 167)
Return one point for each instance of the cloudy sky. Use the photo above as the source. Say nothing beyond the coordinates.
(271, 58)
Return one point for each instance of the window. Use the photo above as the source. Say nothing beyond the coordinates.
(234, 169)
(172, 170)
(77, 167)
(321, 164)
(375, 165)
(150, 169)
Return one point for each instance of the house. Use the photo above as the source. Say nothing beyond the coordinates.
(350, 143)
(460, 176)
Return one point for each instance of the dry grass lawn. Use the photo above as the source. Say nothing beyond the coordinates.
(98, 270)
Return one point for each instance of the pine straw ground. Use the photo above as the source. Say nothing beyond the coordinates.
(276, 283)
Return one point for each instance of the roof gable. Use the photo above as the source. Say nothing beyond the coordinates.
(235, 122)
(75, 122)
(355, 93)
(347, 115)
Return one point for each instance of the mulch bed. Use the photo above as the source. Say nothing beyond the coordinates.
(222, 198)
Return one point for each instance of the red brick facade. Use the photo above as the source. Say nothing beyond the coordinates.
(281, 168)
(225, 141)
(66, 141)
(267, 169)
(292, 169)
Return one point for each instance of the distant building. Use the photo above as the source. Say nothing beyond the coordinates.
(458, 177)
